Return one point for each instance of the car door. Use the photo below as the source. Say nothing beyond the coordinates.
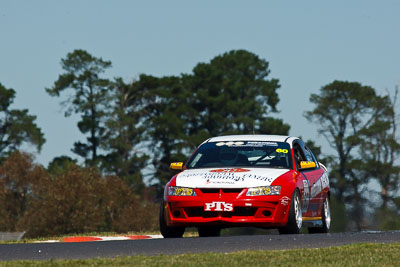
(305, 191)
(311, 195)
(315, 183)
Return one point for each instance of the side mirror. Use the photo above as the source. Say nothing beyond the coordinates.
(323, 166)
(176, 165)
(307, 164)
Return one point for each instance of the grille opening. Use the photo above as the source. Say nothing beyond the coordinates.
(238, 211)
(244, 211)
(209, 190)
(177, 213)
(266, 213)
(217, 190)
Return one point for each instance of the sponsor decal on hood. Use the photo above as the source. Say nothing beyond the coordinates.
(228, 177)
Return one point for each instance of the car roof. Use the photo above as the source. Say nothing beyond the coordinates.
(252, 137)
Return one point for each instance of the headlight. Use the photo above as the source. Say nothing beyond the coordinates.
(264, 191)
(180, 191)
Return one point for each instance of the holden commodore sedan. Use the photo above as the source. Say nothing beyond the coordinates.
(266, 181)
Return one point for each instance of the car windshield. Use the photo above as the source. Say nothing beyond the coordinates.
(241, 154)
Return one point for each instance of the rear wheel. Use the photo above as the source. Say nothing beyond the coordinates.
(295, 219)
(205, 231)
(166, 231)
(326, 219)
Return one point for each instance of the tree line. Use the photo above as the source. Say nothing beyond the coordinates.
(152, 121)
(72, 199)
(361, 127)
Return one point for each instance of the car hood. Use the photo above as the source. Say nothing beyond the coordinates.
(228, 177)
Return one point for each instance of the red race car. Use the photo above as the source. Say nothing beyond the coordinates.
(266, 181)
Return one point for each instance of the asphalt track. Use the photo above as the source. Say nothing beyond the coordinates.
(44, 251)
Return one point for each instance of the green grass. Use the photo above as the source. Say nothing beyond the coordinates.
(350, 255)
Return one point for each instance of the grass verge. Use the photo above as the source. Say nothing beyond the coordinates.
(350, 255)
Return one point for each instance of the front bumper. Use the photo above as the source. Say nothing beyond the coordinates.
(258, 211)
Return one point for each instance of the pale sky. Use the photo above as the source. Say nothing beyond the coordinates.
(307, 43)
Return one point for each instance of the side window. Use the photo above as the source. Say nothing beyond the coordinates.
(309, 155)
(298, 154)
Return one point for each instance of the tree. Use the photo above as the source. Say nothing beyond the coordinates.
(89, 98)
(59, 164)
(380, 152)
(344, 111)
(271, 125)
(229, 95)
(167, 117)
(124, 135)
(18, 175)
(233, 95)
(16, 126)
(78, 200)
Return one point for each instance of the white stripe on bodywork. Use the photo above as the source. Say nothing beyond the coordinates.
(209, 178)
(319, 185)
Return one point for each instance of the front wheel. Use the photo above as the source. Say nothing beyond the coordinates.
(326, 219)
(295, 219)
(166, 231)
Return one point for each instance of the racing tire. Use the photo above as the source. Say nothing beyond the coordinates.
(295, 219)
(208, 231)
(166, 231)
(326, 219)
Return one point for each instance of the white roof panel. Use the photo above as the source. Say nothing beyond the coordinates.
(249, 137)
